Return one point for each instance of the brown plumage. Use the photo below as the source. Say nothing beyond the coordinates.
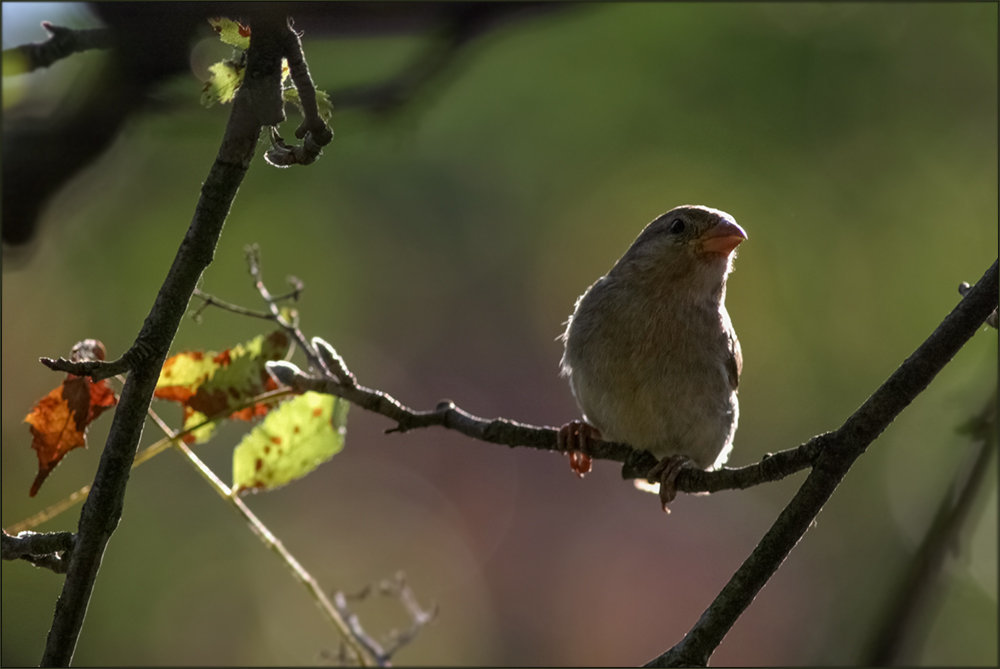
(651, 354)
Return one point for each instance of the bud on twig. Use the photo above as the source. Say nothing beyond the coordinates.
(283, 372)
(334, 362)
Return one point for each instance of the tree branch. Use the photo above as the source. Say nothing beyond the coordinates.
(103, 508)
(844, 446)
(313, 131)
(395, 639)
(772, 467)
(62, 43)
(51, 550)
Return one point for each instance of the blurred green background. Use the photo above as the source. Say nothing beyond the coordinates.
(443, 247)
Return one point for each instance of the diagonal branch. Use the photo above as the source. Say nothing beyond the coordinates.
(844, 446)
(103, 509)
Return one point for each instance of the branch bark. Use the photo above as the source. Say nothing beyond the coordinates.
(103, 508)
(50, 550)
(341, 383)
(844, 446)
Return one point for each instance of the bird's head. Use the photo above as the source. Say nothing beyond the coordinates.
(690, 243)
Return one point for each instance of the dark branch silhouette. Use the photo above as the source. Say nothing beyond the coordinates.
(103, 508)
(830, 455)
(843, 447)
(50, 550)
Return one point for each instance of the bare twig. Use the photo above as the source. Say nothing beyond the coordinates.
(357, 631)
(212, 301)
(772, 467)
(254, 267)
(395, 639)
(331, 612)
(401, 590)
(50, 551)
(843, 447)
(97, 370)
(62, 43)
(51, 512)
(911, 599)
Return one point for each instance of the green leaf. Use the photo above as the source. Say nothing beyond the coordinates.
(323, 104)
(232, 32)
(226, 78)
(293, 440)
(210, 385)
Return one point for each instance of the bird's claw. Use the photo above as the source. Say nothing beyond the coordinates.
(573, 439)
(665, 473)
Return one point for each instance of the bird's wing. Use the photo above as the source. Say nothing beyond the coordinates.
(734, 362)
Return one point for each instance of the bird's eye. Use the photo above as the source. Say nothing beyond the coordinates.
(676, 226)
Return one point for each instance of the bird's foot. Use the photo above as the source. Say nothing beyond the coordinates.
(574, 439)
(665, 473)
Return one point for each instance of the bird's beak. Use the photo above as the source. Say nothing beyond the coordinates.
(722, 238)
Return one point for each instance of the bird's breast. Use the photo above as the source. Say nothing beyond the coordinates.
(653, 374)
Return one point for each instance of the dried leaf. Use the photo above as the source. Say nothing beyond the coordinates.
(59, 421)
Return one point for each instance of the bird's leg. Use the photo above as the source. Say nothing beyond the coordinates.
(665, 473)
(574, 439)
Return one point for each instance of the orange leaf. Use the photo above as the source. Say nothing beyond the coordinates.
(59, 421)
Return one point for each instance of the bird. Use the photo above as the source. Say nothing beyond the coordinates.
(651, 355)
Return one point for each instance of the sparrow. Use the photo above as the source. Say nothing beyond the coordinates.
(651, 354)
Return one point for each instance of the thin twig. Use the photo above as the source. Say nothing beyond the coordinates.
(304, 577)
(772, 467)
(212, 301)
(401, 590)
(395, 640)
(254, 267)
